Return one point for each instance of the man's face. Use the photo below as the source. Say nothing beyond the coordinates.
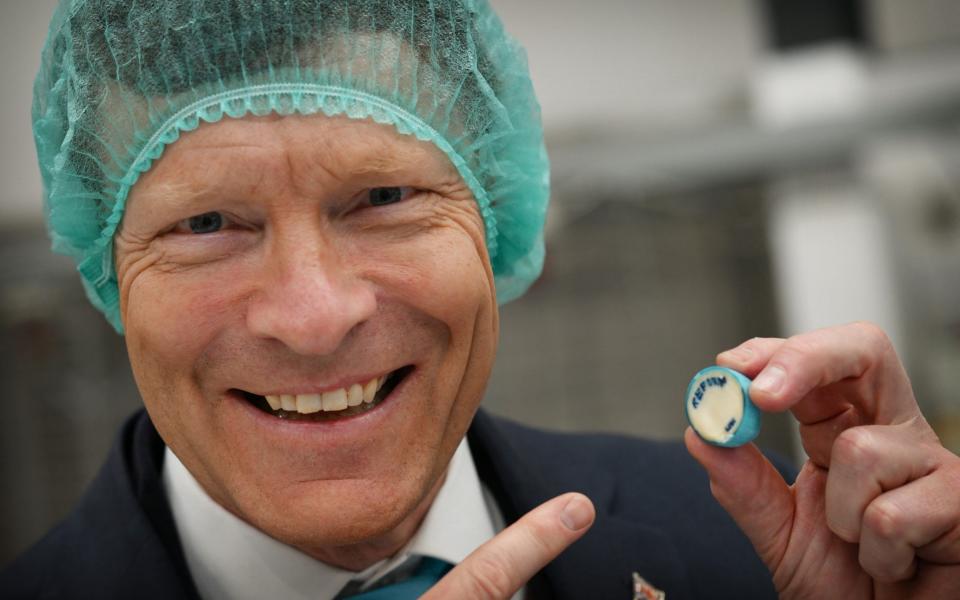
(297, 256)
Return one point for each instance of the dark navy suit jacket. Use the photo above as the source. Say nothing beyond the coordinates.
(655, 516)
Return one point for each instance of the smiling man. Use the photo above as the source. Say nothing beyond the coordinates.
(302, 215)
(311, 318)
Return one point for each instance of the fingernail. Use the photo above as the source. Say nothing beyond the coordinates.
(577, 513)
(770, 380)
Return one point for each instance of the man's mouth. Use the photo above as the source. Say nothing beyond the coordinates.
(345, 402)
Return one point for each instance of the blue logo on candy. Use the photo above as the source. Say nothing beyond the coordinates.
(701, 389)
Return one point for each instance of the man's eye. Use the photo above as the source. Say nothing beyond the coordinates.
(388, 195)
(210, 222)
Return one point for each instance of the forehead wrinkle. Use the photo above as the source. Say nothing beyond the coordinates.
(174, 193)
(368, 158)
(315, 171)
(387, 142)
(181, 183)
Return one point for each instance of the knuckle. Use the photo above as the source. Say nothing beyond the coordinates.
(796, 353)
(874, 334)
(870, 329)
(797, 347)
(857, 448)
(490, 578)
(886, 519)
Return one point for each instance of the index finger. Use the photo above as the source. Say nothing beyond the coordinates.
(503, 565)
(787, 371)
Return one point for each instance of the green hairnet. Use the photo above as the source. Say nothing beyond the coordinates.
(121, 79)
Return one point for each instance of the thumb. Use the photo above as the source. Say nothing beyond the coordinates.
(749, 488)
(503, 565)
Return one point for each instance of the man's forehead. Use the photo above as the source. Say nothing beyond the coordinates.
(234, 151)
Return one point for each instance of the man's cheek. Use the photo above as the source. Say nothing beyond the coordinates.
(166, 334)
(173, 311)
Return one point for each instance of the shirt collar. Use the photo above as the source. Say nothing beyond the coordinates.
(229, 558)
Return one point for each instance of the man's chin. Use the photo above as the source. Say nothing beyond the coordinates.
(347, 523)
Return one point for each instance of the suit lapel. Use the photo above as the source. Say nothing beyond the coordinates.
(602, 563)
(112, 546)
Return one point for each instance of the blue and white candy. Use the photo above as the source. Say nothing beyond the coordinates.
(719, 409)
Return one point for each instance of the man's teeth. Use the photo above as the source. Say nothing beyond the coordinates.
(331, 401)
(355, 395)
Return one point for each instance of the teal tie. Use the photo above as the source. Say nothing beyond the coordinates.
(428, 573)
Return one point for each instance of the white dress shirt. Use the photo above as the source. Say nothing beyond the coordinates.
(230, 559)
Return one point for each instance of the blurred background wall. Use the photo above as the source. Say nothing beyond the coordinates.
(722, 169)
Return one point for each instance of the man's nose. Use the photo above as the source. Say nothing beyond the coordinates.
(310, 299)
